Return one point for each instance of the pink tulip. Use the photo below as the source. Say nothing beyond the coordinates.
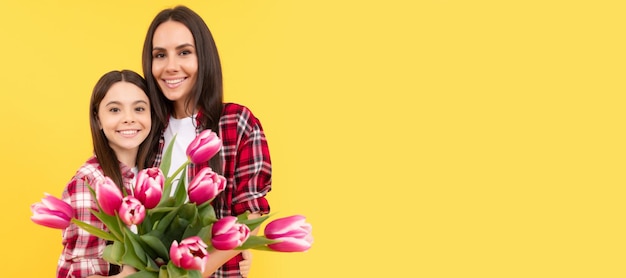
(189, 254)
(293, 232)
(205, 186)
(228, 234)
(149, 187)
(204, 146)
(52, 212)
(109, 195)
(132, 212)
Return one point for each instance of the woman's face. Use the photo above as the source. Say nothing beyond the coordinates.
(174, 63)
(124, 117)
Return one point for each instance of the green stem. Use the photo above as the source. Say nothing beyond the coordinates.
(167, 187)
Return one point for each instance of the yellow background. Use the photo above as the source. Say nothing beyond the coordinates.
(433, 138)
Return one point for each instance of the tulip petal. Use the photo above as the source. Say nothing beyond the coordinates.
(109, 195)
(289, 244)
(52, 202)
(50, 221)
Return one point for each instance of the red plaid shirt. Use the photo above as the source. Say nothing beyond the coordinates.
(82, 252)
(247, 169)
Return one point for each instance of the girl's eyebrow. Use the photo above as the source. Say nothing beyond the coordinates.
(119, 103)
(113, 102)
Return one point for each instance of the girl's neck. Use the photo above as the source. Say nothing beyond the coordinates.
(129, 158)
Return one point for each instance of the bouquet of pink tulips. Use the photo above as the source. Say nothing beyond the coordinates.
(163, 236)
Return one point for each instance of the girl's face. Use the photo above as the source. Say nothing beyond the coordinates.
(174, 63)
(124, 117)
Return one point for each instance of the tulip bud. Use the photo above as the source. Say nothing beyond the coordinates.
(228, 234)
(149, 187)
(109, 195)
(52, 212)
(205, 186)
(204, 146)
(293, 232)
(132, 212)
(190, 254)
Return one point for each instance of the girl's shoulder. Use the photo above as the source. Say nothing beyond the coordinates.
(87, 174)
(90, 170)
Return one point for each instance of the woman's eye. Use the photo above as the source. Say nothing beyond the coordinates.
(185, 52)
(159, 55)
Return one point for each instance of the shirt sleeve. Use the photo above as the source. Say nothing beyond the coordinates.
(253, 173)
(82, 252)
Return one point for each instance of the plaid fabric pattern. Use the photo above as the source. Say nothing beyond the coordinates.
(82, 252)
(247, 169)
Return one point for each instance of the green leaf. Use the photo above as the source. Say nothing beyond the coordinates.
(144, 274)
(166, 220)
(253, 223)
(205, 234)
(177, 228)
(134, 240)
(174, 271)
(145, 226)
(166, 162)
(111, 222)
(151, 265)
(256, 241)
(195, 274)
(130, 257)
(157, 245)
(93, 230)
(243, 216)
(181, 192)
(113, 253)
(163, 209)
(207, 214)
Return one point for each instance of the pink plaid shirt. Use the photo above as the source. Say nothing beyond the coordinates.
(247, 169)
(82, 252)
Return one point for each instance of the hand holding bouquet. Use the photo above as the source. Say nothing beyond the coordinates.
(163, 236)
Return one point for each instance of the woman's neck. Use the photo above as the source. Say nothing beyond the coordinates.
(182, 111)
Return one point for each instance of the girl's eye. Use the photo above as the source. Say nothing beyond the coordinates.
(140, 109)
(114, 109)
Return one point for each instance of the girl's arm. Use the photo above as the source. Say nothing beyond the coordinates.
(218, 257)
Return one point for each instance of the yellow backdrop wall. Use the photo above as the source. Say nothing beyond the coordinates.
(434, 138)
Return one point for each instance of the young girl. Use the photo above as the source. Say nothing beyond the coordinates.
(121, 128)
(184, 75)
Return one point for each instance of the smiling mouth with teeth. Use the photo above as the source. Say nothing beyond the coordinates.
(128, 132)
(174, 81)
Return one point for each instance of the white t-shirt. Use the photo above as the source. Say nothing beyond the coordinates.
(185, 131)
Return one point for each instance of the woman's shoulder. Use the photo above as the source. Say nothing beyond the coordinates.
(234, 108)
(239, 112)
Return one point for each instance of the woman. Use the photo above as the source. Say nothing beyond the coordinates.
(182, 67)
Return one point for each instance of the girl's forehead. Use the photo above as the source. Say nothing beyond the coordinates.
(125, 92)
